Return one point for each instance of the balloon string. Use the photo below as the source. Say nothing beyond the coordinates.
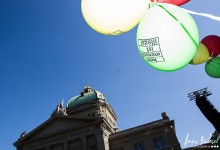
(212, 54)
(202, 14)
(184, 28)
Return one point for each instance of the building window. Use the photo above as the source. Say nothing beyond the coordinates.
(158, 143)
(139, 147)
(93, 147)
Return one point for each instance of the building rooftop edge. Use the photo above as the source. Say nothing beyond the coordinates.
(140, 127)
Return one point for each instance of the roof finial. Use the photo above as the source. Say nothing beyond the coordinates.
(62, 102)
(87, 89)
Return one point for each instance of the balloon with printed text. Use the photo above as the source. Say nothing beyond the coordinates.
(170, 46)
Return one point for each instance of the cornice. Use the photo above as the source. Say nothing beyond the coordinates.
(111, 111)
(47, 122)
(146, 128)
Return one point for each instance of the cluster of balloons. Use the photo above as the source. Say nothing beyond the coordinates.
(114, 17)
(167, 36)
(208, 50)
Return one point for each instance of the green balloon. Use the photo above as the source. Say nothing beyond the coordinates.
(212, 67)
(167, 37)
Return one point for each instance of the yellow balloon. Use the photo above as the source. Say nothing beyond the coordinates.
(113, 17)
(201, 56)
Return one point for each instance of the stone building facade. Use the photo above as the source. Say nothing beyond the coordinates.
(88, 122)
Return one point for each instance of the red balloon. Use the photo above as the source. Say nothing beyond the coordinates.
(212, 42)
(175, 2)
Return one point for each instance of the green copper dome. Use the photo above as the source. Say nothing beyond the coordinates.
(87, 95)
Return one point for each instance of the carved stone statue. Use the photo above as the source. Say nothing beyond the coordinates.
(164, 115)
(60, 110)
(23, 134)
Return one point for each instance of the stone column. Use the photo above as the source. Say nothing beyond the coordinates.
(48, 147)
(102, 140)
(65, 145)
(84, 142)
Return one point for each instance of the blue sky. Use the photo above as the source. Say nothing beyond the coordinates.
(48, 52)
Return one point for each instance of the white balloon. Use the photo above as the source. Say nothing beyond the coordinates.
(167, 37)
(113, 17)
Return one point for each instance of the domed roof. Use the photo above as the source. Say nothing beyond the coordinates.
(86, 96)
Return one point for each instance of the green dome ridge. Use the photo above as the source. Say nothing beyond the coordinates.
(85, 97)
